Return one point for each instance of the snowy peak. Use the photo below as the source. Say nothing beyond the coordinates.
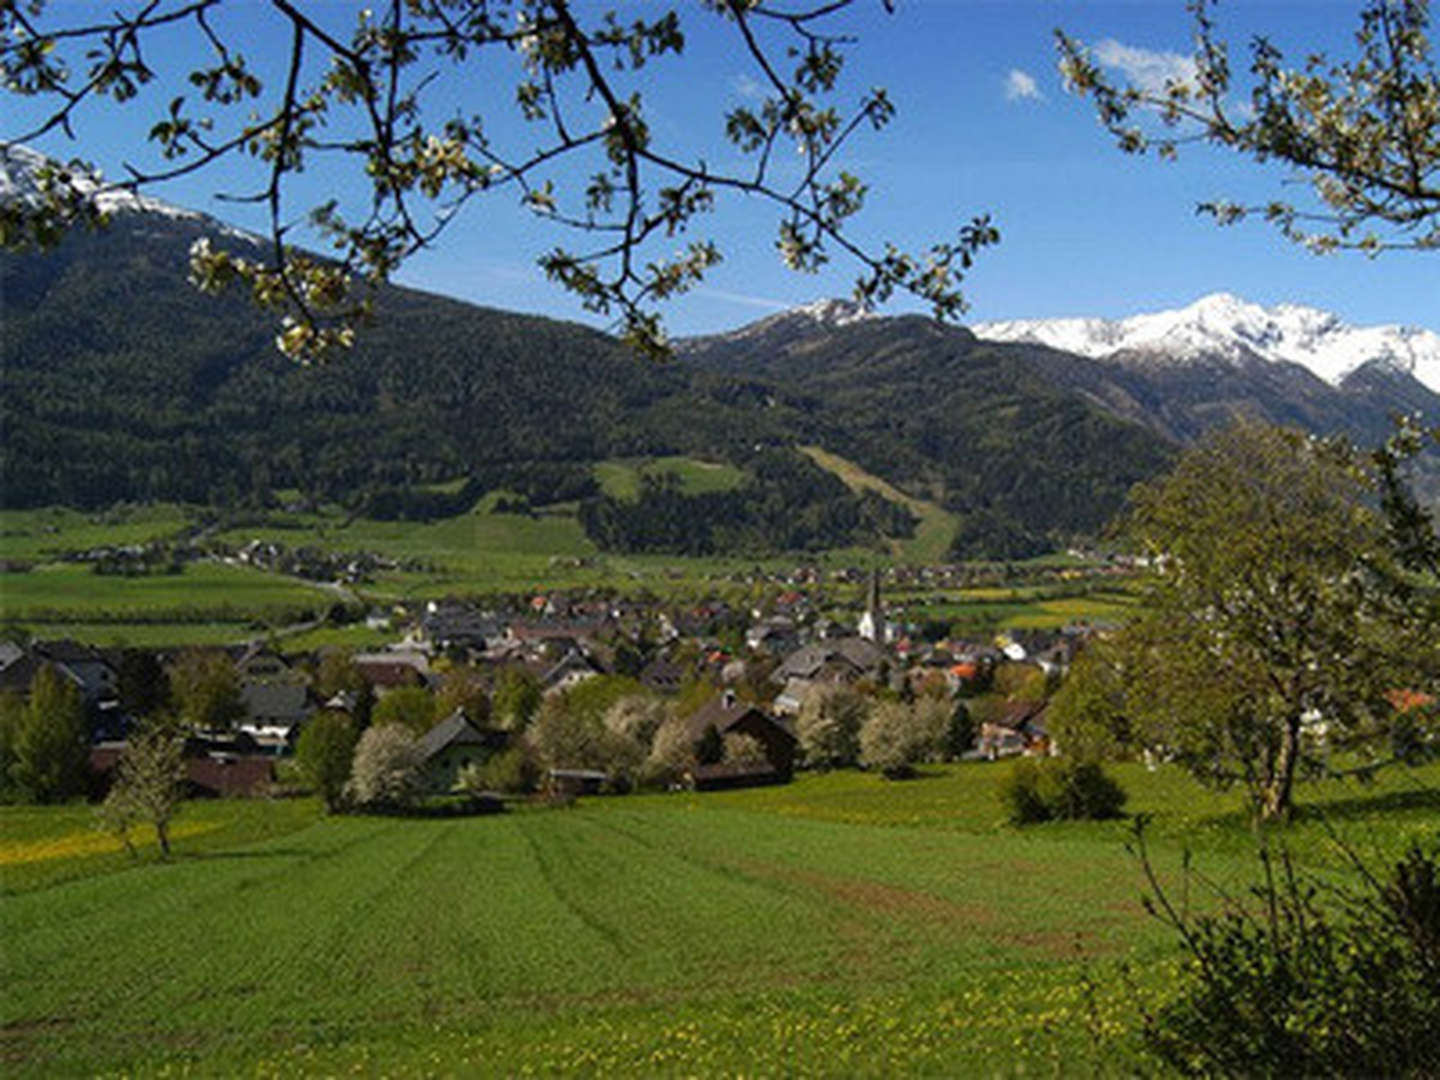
(20, 180)
(21, 170)
(832, 312)
(790, 324)
(1230, 327)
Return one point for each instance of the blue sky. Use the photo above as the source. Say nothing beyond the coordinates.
(983, 125)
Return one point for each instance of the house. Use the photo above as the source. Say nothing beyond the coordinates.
(257, 662)
(729, 716)
(776, 635)
(835, 660)
(388, 671)
(86, 665)
(86, 668)
(456, 626)
(789, 700)
(662, 676)
(274, 713)
(573, 668)
(1019, 729)
(212, 769)
(450, 746)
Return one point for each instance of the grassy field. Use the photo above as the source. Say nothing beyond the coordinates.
(205, 592)
(621, 478)
(842, 925)
(37, 535)
(931, 543)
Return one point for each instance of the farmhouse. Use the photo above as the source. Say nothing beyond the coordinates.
(727, 716)
(450, 746)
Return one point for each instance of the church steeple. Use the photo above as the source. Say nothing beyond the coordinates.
(872, 622)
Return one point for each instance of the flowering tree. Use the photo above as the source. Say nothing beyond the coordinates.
(1363, 132)
(358, 95)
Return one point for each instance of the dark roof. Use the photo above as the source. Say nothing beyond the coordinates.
(389, 672)
(455, 730)
(275, 701)
(662, 673)
(1018, 715)
(862, 653)
(724, 713)
(68, 652)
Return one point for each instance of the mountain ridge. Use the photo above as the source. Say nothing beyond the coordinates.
(1221, 324)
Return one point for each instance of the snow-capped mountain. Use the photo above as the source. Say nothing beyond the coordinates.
(20, 169)
(1221, 325)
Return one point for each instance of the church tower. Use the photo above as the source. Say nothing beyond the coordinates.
(872, 622)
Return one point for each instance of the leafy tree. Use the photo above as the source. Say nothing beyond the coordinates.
(337, 673)
(512, 771)
(638, 717)
(51, 747)
(385, 772)
(206, 689)
(142, 683)
(325, 753)
(1277, 626)
(149, 784)
(566, 735)
(411, 707)
(517, 696)
(828, 726)
(577, 82)
(1087, 717)
(464, 688)
(1361, 131)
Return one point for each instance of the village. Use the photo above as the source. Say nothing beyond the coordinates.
(569, 694)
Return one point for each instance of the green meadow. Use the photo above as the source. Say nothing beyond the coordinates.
(205, 592)
(843, 925)
(479, 552)
(936, 528)
(622, 477)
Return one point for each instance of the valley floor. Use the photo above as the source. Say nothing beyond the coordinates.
(842, 925)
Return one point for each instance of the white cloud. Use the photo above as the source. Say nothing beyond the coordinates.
(1021, 86)
(1148, 69)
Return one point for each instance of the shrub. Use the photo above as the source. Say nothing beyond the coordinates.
(510, 772)
(1305, 979)
(1060, 789)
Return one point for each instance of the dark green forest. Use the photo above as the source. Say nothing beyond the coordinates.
(120, 381)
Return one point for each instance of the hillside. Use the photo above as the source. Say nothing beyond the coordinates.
(976, 428)
(118, 381)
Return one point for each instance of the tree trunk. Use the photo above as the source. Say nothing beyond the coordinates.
(1276, 797)
(162, 834)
